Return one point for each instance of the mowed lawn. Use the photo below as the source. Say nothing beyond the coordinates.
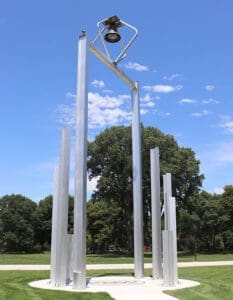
(44, 258)
(216, 283)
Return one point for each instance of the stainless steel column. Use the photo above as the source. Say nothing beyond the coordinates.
(172, 228)
(137, 185)
(156, 214)
(167, 192)
(54, 237)
(60, 213)
(79, 275)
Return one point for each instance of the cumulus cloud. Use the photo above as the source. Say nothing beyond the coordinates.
(173, 77)
(161, 88)
(203, 113)
(147, 101)
(218, 191)
(70, 95)
(103, 110)
(136, 66)
(228, 126)
(209, 87)
(187, 101)
(98, 83)
(211, 101)
(143, 111)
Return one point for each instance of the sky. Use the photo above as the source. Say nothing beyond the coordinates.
(182, 58)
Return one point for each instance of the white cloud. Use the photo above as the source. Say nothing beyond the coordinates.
(201, 114)
(187, 100)
(98, 83)
(173, 77)
(147, 101)
(209, 87)
(136, 66)
(161, 88)
(218, 191)
(102, 111)
(211, 100)
(146, 98)
(228, 126)
(148, 104)
(143, 111)
(91, 184)
(70, 95)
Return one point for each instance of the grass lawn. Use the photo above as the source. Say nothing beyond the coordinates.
(216, 283)
(44, 258)
(14, 286)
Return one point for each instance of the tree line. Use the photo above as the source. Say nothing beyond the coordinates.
(204, 220)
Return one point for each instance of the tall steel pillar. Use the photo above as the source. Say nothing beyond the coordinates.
(167, 191)
(172, 228)
(60, 213)
(156, 214)
(79, 273)
(54, 235)
(137, 185)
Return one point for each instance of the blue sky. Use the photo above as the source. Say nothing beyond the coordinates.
(183, 59)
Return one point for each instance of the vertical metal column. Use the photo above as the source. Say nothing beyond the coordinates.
(168, 278)
(79, 274)
(172, 228)
(156, 214)
(137, 185)
(54, 239)
(60, 217)
(167, 190)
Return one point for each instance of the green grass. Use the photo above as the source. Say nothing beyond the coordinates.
(44, 258)
(14, 286)
(216, 283)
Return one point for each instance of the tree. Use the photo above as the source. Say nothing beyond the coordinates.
(17, 215)
(110, 159)
(103, 226)
(227, 216)
(44, 221)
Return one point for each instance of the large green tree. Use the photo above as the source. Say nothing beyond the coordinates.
(227, 217)
(17, 225)
(110, 159)
(103, 226)
(44, 221)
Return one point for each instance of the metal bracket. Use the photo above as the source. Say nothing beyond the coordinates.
(122, 54)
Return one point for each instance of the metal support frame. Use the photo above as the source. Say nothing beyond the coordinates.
(122, 54)
(137, 185)
(156, 214)
(79, 273)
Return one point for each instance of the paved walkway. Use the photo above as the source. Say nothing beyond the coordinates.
(123, 288)
(119, 266)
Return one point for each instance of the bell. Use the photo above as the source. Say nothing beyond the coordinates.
(112, 36)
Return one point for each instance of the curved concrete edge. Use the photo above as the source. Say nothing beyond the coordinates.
(122, 287)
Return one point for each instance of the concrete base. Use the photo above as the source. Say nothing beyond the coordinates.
(122, 287)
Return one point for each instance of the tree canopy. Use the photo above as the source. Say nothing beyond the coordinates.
(110, 159)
